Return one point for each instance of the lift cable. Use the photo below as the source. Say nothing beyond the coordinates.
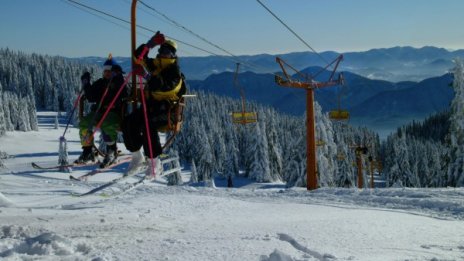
(175, 23)
(186, 29)
(290, 29)
(141, 27)
(83, 7)
(80, 6)
(77, 4)
(236, 60)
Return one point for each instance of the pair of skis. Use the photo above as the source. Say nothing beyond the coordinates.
(55, 167)
(129, 187)
(84, 177)
(72, 165)
(110, 183)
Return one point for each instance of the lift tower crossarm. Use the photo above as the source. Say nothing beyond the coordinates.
(309, 83)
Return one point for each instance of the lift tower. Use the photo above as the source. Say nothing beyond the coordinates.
(309, 84)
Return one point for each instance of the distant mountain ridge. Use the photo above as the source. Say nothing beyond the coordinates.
(390, 64)
(385, 88)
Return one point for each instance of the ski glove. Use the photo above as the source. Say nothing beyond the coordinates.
(157, 39)
(85, 78)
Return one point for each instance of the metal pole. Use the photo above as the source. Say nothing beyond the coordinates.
(371, 167)
(311, 168)
(359, 164)
(133, 43)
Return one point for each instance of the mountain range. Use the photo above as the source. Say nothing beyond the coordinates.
(391, 64)
(384, 88)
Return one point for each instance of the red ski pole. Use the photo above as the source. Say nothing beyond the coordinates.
(126, 80)
(72, 111)
(147, 127)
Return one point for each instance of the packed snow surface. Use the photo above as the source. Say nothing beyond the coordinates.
(42, 219)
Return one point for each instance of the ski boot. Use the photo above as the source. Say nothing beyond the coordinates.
(86, 156)
(158, 167)
(110, 157)
(136, 163)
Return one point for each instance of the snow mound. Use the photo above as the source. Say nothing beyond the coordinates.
(18, 242)
(4, 202)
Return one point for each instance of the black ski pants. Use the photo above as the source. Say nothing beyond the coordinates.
(134, 133)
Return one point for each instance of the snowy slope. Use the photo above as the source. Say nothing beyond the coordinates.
(40, 220)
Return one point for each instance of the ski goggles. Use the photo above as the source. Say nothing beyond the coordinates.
(165, 51)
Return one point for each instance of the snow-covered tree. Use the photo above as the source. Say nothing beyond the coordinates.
(32, 82)
(194, 175)
(274, 147)
(326, 151)
(456, 131)
(258, 154)
(231, 161)
(2, 113)
(416, 155)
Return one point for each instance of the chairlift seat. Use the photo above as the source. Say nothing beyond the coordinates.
(244, 117)
(339, 115)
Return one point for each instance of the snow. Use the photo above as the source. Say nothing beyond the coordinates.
(41, 220)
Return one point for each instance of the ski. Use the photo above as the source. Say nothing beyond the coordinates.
(139, 182)
(100, 170)
(104, 186)
(131, 186)
(37, 166)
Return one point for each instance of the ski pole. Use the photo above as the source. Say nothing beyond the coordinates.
(126, 80)
(72, 111)
(94, 118)
(147, 127)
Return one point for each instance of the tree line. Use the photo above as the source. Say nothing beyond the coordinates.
(273, 149)
(429, 153)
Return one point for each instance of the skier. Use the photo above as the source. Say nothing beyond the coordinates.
(165, 86)
(102, 93)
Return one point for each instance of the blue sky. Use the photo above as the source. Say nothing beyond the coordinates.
(55, 27)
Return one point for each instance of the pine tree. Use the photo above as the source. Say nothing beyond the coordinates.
(345, 171)
(456, 132)
(326, 164)
(2, 113)
(259, 157)
(295, 158)
(194, 175)
(231, 161)
(275, 150)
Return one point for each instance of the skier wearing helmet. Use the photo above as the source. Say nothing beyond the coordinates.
(165, 86)
(101, 93)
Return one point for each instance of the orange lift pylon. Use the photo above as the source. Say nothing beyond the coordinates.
(310, 84)
(242, 117)
(133, 47)
(360, 151)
